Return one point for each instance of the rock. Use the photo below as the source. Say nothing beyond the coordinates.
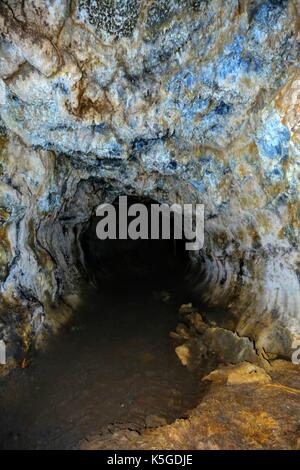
(192, 353)
(250, 416)
(230, 347)
(226, 345)
(195, 324)
(243, 373)
(196, 321)
(154, 421)
(36, 49)
(183, 352)
(175, 336)
(182, 101)
(276, 340)
(183, 331)
(185, 309)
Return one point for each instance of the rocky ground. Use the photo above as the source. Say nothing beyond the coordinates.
(241, 415)
(112, 381)
(114, 364)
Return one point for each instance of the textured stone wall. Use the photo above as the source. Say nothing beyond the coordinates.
(179, 101)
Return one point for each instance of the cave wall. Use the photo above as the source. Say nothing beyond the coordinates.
(179, 101)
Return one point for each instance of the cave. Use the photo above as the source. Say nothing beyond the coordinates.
(157, 346)
(114, 361)
(124, 261)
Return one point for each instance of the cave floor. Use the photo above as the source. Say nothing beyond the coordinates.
(114, 366)
(229, 417)
(111, 380)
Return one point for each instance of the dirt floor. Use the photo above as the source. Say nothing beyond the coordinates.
(114, 366)
(248, 416)
(112, 380)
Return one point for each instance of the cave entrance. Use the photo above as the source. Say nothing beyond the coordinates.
(128, 264)
(116, 363)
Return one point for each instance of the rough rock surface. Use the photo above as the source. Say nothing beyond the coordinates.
(198, 340)
(238, 417)
(243, 373)
(179, 101)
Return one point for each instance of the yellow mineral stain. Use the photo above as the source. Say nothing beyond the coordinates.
(257, 426)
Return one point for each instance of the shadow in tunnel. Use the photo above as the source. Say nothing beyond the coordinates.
(115, 363)
(120, 263)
